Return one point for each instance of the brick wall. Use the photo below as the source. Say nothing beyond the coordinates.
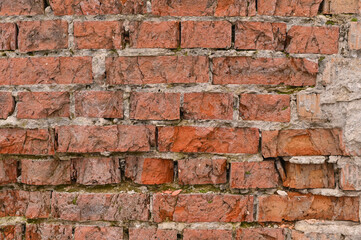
(180, 119)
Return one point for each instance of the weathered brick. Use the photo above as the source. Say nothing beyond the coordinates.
(24, 203)
(350, 176)
(265, 107)
(311, 39)
(207, 234)
(26, 141)
(260, 36)
(100, 206)
(42, 35)
(204, 105)
(204, 8)
(301, 176)
(100, 7)
(35, 105)
(340, 6)
(206, 34)
(202, 171)
(8, 35)
(7, 104)
(208, 139)
(96, 171)
(103, 104)
(8, 171)
(301, 8)
(160, 69)
(45, 70)
(150, 34)
(265, 71)
(202, 208)
(97, 232)
(302, 142)
(354, 36)
(296, 235)
(253, 175)
(308, 106)
(260, 233)
(13, 232)
(295, 206)
(152, 233)
(98, 35)
(115, 138)
(48, 231)
(149, 170)
(23, 7)
(45, 172)
(154, 106)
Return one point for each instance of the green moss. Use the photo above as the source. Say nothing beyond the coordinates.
(330, 22)
(248, 173)
(75, 200)
(354, 19)
(284, 108)
(321, 59)
(289, 90)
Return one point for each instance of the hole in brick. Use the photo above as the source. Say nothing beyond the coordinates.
(18, 168)
(179, 236)
(175, 178)
(126, 38)
(233, 34)
(256, 5)
(180, 34)
(320, 8)
(126, 233)
(46, 4)
(122, 169)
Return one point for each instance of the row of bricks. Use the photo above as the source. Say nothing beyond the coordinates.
(176, 207)
(67, 232)
(53, 35)
(219, 8)
(147, 105)
(150, 171)
(160, 69)
(187, 139)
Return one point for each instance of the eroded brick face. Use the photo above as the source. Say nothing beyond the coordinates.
(180, 119)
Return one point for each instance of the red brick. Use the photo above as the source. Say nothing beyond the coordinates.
(24, 7)
(100, 206)
(26, 141)
(301, 176)
(7, 104)
(265, 107)
(149, 170)
(154, 106)
(13, 232)
(204, 8)
(260, 233)
(151, 233)
(302, 142)
(150, 34)
(103, 104)
(302, 8)
(35, 105)
(207, 234)
(98, 35)
(260, 36)
(160, 69)
(98, 233)
(100, 7)
(96, 171)
(115, 138)
(48, 231)
(314, 236)
(309, 106)
(45, 172)
(349, 177)
(295, 206)
(202, 171)
(265, 71)
(8, 35)
(24, 203)
(42, 35)
(311, 39)
(208, 139)
(253, 175)
(208, 106)
(8, 171)
(202, 208)
(45, 70)
(206, 34)
(340, 6)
